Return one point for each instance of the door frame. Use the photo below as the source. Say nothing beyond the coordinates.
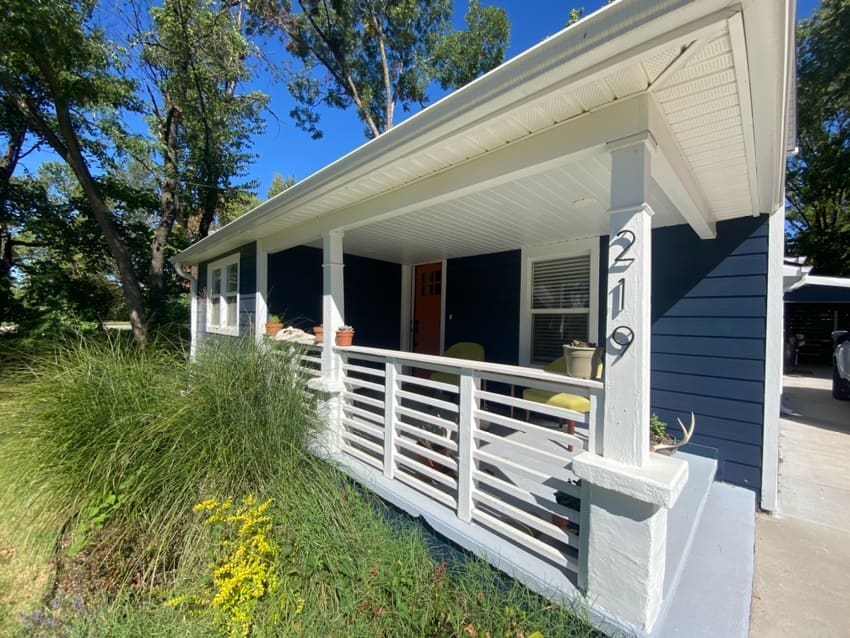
(408, 299)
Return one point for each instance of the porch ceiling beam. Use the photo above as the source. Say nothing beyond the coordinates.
(671, 170)
(529, 156)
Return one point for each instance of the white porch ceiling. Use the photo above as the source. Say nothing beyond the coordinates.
(689, 60)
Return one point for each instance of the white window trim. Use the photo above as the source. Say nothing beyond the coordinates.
(222, 264)
(546, 252)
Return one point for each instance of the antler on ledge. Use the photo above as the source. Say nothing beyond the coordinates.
(688, 432)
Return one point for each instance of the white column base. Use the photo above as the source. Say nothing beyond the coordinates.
(627, 532)
(329, 438)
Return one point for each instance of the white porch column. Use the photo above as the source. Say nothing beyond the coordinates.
(329, 384)
(625, 437)
(626, 490)
(261, 308)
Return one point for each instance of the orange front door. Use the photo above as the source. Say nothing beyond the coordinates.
(427, 296)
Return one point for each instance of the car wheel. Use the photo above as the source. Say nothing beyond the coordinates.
(840, 387)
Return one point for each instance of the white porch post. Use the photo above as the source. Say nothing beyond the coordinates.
(261, 308)
(625, 437)
(329, 384)
(627, 490)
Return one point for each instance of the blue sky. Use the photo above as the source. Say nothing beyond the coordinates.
(289, 151)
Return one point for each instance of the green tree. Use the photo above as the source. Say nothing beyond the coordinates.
(818, 178)
(379, 55)
(59, 72)
(280, 184)
(194, 57)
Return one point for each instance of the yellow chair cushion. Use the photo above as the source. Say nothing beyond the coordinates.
(461, 350)
(564, 400)
(446, 377)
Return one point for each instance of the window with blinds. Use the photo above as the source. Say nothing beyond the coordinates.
(560, 305)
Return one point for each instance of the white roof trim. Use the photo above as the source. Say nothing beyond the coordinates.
(588, 48)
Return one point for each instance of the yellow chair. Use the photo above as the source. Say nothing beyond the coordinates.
(461, 350)
(574, 402)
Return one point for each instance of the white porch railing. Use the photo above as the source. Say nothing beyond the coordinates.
(468, 441)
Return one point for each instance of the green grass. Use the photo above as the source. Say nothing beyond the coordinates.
(105, 449)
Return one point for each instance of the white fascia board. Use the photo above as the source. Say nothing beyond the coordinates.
(770, 51)
(616, 32)
(818, 280)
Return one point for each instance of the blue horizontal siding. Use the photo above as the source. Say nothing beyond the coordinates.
(483, 304)
(708, 339)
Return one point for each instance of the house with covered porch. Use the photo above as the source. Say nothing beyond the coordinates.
(620, 183)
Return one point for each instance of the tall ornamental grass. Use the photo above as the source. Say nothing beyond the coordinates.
(116, 444)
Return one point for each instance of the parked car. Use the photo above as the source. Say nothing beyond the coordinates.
(841, 365)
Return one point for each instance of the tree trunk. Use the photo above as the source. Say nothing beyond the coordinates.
(67, 146)
(170, 204)
(210, 202)
(8, 163)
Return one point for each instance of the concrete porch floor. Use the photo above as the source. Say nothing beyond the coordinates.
(803, 551)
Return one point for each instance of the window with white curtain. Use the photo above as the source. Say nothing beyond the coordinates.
(223, 296)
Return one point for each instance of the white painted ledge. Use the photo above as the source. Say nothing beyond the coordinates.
(660, 481)
(326, 386)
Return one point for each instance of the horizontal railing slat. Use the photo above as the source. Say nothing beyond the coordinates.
(360, 455)
(428, 383)
(449, 426)
(544, 455)
(418, 433)
(479, 367)
(360, 383)
(364, 427)
(525, 540)
(372, 417)
(353, 439)
(375, 372)
(533, 406)
(534, 522)
(544, 502)
(421, 450)
(426, 400)
(353, 396)
(560, 482)
(419, 484)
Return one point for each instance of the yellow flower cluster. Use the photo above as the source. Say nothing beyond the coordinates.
(247, 567)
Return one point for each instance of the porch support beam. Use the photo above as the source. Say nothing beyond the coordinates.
(671, 170)
(329, 385)
(625, 438)
(261, 308)
(626, 490)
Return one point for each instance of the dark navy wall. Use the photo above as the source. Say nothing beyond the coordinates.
(708, 339)
(247, 290)
(483, 303)
(372, 294)
(295, 286)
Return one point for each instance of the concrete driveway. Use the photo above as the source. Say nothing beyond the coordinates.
(802, 583)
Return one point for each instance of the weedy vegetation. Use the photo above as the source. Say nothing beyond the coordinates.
(144, 494)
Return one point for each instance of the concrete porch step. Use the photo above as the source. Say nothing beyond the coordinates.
(715, 587)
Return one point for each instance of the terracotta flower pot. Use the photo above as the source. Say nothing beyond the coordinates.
(319, 331)
(344, 337)
(273, 327)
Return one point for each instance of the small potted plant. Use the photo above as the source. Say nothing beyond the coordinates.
(578, 356)
(319, 331)
(344, 336)
(273, 325)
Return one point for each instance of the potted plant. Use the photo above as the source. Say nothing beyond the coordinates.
(344, 336)
(319, 331)
(579, 359)
(273, 325)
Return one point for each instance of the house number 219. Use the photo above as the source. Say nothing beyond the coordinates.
(623, 336)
